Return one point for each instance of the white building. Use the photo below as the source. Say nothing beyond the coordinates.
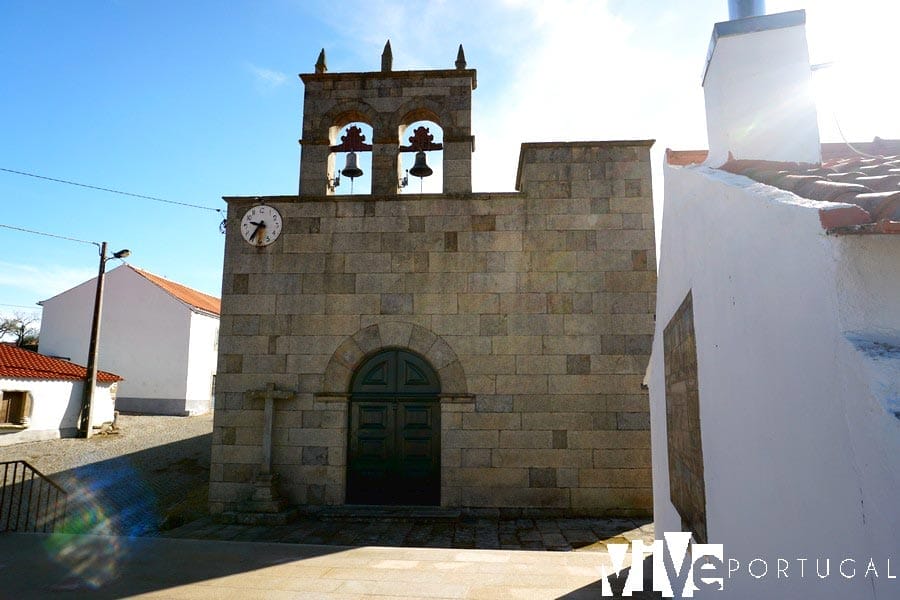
(775, 372)
(160, 335)
(40, 397)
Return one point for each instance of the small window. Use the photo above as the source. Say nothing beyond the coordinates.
(14, 408)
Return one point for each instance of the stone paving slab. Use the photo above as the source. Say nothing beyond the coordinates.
(99, 567)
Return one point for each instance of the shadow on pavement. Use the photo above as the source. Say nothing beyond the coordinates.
(135, 494)
(108, 547)
(100, 567)
(119, 506)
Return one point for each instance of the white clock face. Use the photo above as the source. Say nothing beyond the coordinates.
(261, 225)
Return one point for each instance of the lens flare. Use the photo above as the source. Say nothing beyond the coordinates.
(108, 503)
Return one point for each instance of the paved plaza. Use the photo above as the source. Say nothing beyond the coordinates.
(100, 567)
(336, 556)
(123, 486)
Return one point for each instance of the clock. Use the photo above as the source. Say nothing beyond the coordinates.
(261, 225)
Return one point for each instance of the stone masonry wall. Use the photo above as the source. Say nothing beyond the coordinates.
(536, 309)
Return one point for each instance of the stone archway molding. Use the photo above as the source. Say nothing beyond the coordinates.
(353, 351)
(348, 111)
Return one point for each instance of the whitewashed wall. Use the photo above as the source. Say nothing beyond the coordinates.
(55, 407)
(202, 357)
(800, 453)
(144, 337)
(66, 323)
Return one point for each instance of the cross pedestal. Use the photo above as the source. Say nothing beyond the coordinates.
(266, 504)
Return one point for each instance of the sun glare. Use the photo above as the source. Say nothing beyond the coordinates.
(854, 87)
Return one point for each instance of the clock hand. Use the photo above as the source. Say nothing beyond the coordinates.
(259, 233)
(260, 225)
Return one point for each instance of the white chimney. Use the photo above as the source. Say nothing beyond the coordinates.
(758, 89)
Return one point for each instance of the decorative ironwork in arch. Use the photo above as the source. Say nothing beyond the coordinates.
(421, 140)
(352, 141)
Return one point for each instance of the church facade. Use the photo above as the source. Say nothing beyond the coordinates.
(471, 350)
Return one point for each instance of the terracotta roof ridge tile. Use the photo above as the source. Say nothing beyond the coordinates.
(864, 193)
(683, 158)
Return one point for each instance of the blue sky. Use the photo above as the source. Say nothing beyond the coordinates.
(192, 101)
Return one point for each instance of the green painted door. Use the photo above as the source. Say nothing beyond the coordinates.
(394, 441)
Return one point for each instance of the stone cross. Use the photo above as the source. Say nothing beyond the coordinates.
(269, 395)
(265, 500)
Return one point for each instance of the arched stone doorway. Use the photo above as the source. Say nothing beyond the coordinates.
(394, 445)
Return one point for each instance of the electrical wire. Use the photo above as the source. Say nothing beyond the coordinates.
(848, 144)
(837, 123)
(53, 235)
(110, 190)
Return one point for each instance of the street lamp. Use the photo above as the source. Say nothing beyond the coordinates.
(90, 380)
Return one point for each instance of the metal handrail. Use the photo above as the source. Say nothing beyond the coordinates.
(29, 500)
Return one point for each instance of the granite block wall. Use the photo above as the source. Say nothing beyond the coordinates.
(536, 308)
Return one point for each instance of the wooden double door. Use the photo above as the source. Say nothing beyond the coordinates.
(394, 441)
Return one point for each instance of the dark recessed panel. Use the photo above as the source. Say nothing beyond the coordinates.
(416, 416)
(374, 417)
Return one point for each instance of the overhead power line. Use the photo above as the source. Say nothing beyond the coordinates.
(110, 190)
(848, 144)
(53, 235)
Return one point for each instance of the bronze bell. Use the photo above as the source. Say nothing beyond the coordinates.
(351, 169)
(420, 168)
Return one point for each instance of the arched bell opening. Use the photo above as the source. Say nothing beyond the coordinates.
(421, 161)
(394, 441)
(350, 158)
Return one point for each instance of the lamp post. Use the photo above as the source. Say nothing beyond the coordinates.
(90, 380)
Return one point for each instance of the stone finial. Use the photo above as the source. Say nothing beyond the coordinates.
(387, 58)
(460, 58)
(321, 67)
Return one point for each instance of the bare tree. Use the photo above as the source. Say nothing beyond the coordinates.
(21, 329)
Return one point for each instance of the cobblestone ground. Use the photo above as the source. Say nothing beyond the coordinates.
(128, 483)
(464, 531)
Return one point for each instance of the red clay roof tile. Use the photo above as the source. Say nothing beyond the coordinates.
(19, 363)
(877, 147)
(189, 296)
(866, 182)
(880, 183)
(683, 158)
(865, 175)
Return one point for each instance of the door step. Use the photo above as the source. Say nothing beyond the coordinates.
(363, 512)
